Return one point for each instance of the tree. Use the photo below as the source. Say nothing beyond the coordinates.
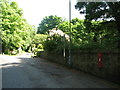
(99, 10)
(108, 12)
(64, 26)
(37, 43)
(16, 32)
(48, 23)
(77, 27)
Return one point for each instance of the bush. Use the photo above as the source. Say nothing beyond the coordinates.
(86, 45)
(40, 46)
(37, 43)
(55, 43)
(39, 39)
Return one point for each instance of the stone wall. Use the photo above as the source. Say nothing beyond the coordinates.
(87, 61)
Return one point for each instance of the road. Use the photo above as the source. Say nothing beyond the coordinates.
(26, 72)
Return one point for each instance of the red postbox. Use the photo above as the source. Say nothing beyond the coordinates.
(100, 64)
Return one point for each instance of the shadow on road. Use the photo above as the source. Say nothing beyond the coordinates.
(27, 72)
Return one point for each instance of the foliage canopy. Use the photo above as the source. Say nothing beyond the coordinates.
(16, 32)
(108, 16)
(48, 23)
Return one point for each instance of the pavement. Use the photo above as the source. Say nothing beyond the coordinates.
(22, 71)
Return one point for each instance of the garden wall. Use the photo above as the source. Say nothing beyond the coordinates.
(87, 61)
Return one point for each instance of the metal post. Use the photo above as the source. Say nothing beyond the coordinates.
(64, 46)
(70, 61)
(0, 42)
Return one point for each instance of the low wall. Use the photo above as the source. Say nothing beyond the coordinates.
(87, 61)
(54, 57)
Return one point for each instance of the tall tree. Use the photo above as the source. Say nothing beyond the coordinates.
(16, 32)
(48, 23)
(105, 11)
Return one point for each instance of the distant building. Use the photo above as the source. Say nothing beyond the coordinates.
(59, 32)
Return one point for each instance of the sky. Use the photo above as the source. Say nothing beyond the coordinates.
(35, 10)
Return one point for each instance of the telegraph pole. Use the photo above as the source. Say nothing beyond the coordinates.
(70, 60)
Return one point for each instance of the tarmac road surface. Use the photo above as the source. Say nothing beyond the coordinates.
(26, 72)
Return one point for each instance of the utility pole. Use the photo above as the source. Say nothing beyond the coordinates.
(70, 60)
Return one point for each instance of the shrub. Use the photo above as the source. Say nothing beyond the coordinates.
(55, 43)
(40, 46)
